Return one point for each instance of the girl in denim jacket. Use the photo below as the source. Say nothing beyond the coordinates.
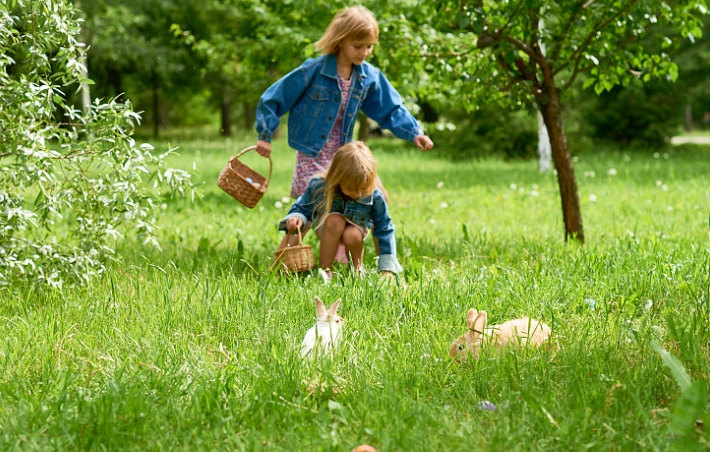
(343, 204)
(325, 94)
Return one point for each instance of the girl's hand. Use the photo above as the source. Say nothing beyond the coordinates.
(263, 148)
(423, 142)
(293, 224)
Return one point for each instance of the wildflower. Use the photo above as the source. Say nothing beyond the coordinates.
(278, 204)
(592, 198)
(611, 172)
(440, 185)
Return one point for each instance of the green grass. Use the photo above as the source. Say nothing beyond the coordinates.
(194, 347)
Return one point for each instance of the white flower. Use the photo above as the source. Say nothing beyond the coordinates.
(163, 206)
(575, 159)
(664, 187)
(440, 184)
(611, 172)
(665, 155)
(286, 200)
(432, 221)
(534, 193)
(589, 174)
(658, 183)
(656, 155)
(513, 187)
(648, 305)
(443, 205)
(278, 204)
(592, 198)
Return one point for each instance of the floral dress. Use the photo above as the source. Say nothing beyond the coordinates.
(306, 166)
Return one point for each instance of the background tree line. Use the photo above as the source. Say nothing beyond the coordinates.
(188, 63)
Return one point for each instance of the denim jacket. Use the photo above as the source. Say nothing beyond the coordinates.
(311, 96)
(365, 212)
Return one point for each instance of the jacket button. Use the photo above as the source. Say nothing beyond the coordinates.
(322, 136)
(329, 118)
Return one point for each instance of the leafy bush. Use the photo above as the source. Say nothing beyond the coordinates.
(636, 117)
(488, 132)
(69, 189)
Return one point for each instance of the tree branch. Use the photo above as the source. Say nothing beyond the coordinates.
(558, 44)
(580, 70)
(577, 55)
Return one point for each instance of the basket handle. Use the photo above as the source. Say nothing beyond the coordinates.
(251, 148)
(300, 237)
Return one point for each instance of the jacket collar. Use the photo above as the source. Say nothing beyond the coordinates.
(367, 200)
(330, 68)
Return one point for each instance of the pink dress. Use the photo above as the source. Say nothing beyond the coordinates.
(307, 167)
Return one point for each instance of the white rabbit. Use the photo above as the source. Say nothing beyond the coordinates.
(327, 328)
(521, 331)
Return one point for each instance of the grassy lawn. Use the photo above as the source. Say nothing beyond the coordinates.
(195, 347)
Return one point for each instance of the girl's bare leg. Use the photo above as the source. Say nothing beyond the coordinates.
(354, 245)
(330, 235)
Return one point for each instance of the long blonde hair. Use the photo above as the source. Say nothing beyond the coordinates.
(355, 23)
(353, 167)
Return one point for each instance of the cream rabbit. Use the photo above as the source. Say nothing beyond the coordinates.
(521, 331)
(327, 328)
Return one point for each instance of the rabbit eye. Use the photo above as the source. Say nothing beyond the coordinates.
(461, 347)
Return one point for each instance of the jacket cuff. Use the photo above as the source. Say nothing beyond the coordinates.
(264, 137)
(389, 263)
(282, 223)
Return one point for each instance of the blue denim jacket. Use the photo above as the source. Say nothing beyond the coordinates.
(365, 212)
(311, 96)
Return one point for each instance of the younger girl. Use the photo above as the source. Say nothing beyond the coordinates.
(343, 204)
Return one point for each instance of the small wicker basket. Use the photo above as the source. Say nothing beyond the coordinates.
(298, 258)
(233, 180)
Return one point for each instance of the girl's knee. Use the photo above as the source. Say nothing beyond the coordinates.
(334, 223)
(352, 236)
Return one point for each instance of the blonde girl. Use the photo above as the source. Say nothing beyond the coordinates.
(343, 204)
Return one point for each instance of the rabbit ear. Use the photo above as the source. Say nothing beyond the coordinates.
(479, 324)
(333, 308)
(470, 317)
(320, 308)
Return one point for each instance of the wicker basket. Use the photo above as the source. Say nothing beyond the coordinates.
(233, 180)
(297, 258)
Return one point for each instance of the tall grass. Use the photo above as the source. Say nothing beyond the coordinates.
(195, 347)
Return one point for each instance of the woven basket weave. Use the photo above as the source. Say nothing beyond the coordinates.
(233, 180)
(298, 258)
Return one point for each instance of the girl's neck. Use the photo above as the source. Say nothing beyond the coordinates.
(345, 67)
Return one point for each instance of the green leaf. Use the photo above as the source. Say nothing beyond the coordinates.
(689, 407)
(677, 370)
(589, 82)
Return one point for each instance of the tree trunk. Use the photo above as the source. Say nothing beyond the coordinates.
(156, 106)
(114, 76)
(552, 113)
(543, 145)
(248, 115)
(689, 117)
(364, 132)
(226, 129)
